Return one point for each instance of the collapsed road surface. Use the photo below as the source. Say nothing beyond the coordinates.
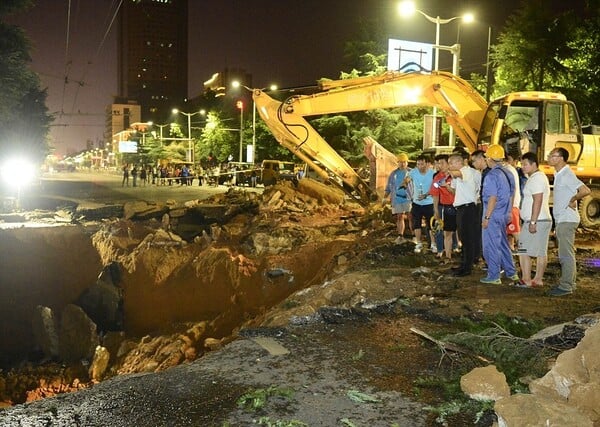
(298, 298)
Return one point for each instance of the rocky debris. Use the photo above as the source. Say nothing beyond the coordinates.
(99, 363)
(44, 331)
(531, 410)
(77, 336)
(566, 396)
(304, 197)
(153, 354)
(103, 301)
(567, 335)
(485, 383)
(141, 210)
(32, 382)
(575, 377)
(97, 213)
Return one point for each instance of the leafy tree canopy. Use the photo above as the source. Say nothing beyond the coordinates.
(24, 118)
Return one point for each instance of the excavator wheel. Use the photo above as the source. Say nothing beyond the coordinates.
(589, 210)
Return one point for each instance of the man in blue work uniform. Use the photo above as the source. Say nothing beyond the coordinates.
(497, 196)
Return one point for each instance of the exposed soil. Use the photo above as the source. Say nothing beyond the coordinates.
(345, 321)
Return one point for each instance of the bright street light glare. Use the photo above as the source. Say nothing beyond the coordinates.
(17, 171)
(468, 18)
(235, 84)
(407, 8)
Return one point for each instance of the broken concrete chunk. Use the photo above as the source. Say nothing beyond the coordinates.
(44, 331)
(99, 363)
(485, 383)
(77, 337)
(530, 410)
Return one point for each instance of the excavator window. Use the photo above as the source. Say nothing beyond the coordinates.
(562, 129)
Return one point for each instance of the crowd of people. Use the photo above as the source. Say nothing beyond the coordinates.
(182, 174)
(490, 209)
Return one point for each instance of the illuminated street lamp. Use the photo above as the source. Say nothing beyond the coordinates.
(160, 138)
(17, 172)
(240, 105)
(190, 153)
(408, 8)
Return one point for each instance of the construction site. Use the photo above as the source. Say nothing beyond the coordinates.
(182, 313)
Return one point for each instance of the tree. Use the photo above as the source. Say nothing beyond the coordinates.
(582, 83)
(529, 51)
(24, 118)
(217, 140)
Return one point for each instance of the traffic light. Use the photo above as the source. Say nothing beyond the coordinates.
(240, 105)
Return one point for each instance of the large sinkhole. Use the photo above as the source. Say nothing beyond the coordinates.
(222, 277)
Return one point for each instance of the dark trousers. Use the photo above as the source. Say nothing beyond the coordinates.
(478, 249)
(467, 218)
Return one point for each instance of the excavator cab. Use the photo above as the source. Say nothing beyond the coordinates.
(535, 122)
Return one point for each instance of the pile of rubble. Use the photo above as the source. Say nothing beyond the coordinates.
(566, 396)
(178, 281)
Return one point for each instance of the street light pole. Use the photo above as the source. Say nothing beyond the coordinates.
(408, 7)
(488, 80)
(253, 131)
(241, 105)
(190, 153)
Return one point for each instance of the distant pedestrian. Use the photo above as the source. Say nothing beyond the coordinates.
(567, 191)
(134, 175)
(143, 176)
(125, 176)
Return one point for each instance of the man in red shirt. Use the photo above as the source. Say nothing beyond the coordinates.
(443, 208)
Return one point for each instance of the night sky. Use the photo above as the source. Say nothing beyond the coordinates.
(288, 43)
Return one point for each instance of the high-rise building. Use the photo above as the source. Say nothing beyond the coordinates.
(153, 56)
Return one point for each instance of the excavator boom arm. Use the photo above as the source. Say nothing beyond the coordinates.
(463, 106)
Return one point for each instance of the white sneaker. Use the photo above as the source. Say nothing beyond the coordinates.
(418, 248)
(434, 248)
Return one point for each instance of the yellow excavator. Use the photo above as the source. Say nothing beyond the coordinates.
(520, 121)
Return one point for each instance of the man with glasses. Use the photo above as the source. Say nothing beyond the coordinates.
(567, 191)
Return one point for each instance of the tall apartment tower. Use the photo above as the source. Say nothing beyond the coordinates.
(152, 49)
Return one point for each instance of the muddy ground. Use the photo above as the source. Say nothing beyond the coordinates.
(338, 352)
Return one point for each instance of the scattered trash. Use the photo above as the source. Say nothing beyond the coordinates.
(360, 397)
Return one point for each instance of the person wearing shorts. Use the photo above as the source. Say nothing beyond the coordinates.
(537, 223)
(421, 179)
(443, 206)
(396, 189)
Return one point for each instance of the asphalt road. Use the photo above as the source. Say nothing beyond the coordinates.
(105, 188)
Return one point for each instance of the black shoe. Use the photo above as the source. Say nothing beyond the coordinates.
(461, 273)
(457, 268)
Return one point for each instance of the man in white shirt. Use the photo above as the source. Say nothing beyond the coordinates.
(465, 185)
(537, 223)
(567, 191)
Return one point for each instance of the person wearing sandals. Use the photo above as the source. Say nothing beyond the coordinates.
(537, 223)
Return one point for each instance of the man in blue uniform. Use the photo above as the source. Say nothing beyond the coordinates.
(497, 196)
